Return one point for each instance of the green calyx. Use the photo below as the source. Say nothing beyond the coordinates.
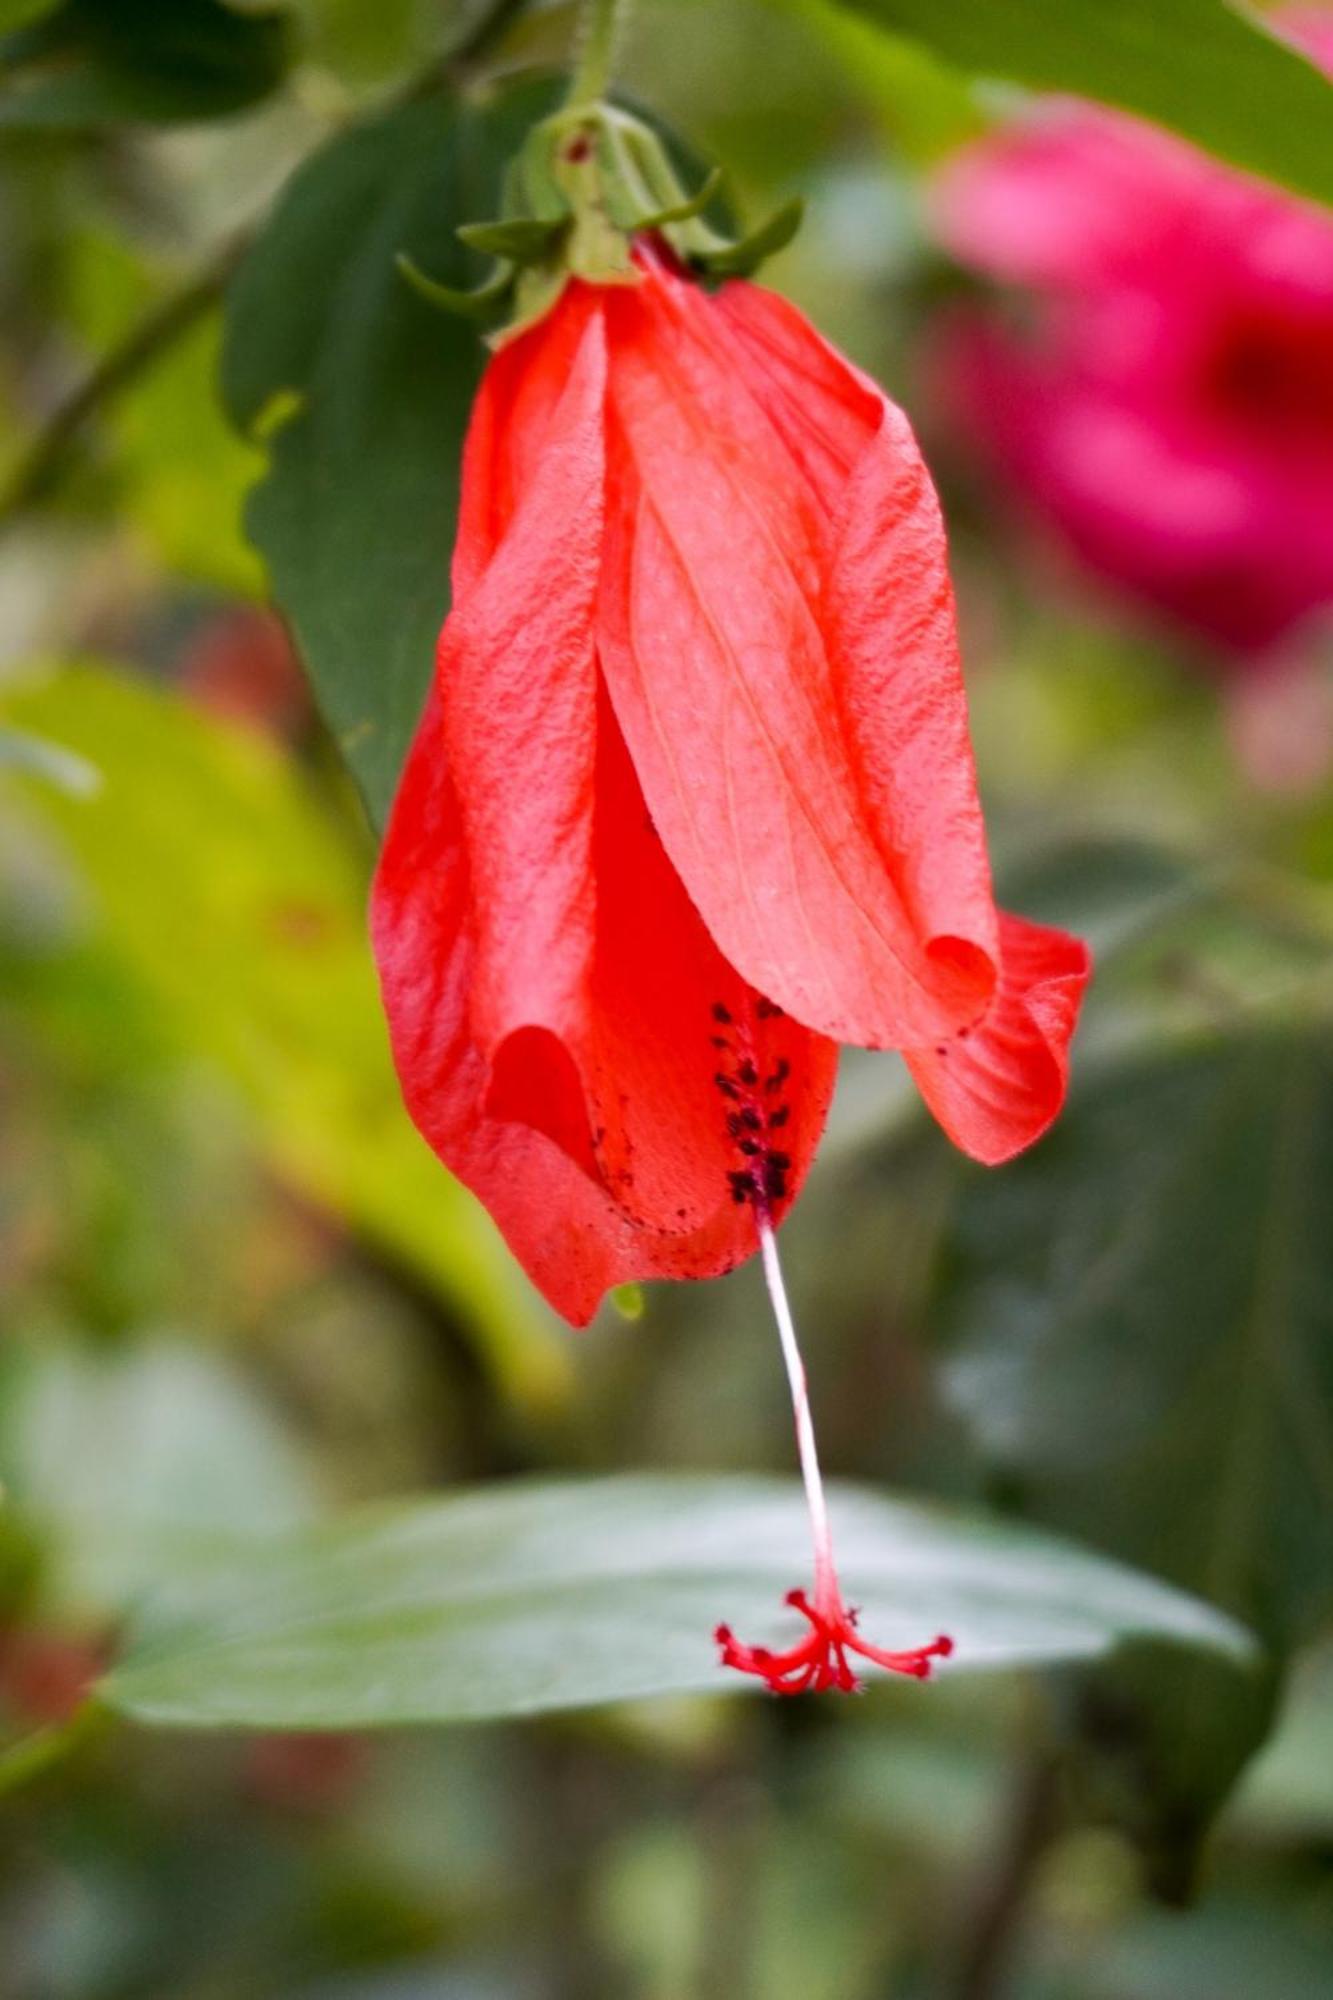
(587, 182)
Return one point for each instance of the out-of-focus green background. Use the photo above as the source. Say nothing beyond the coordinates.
(237, 1292)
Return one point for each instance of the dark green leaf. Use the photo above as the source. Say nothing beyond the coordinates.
(18, 13)
(1142, 1313)
(1182, 946)
(1128, 1303)
(356, 516)
(1196, 66)
(95, 62)
(924, 107)
(1160, 1739)
(537, 1597)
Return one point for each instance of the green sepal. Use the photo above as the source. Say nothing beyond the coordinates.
(536, 291)
(586, 182)
(684, 211)
(519, 240)
(737, 260)
(469, 305)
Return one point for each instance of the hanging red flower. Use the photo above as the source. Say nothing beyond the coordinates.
(693, 799)
(692, 803)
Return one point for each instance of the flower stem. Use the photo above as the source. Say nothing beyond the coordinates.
(39, 464)
(825, 1573)
(599, 23)
(32, 1756)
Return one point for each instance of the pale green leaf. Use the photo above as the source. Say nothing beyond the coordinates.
(237, 899)
(534, 1597)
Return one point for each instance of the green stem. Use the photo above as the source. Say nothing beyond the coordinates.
(992, 1938)
(32, 1756)
(40, 463)
(595, 47)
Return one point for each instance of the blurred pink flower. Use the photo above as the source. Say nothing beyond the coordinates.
(1169, 401)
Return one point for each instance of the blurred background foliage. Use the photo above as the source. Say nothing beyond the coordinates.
(237, 1292)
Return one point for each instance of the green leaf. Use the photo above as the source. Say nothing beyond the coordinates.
(1182, 945)
(1121, 1306)
(528, 1598)
(356, 516)
(1196, 66)
(924, 107)
(1140, 1321)
(1185, 946)
(18, 13)
(96, 62)
(238, 902)
(364, 44)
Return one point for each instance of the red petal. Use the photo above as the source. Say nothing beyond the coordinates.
(788, 683)
(888, 616)
(564, 1226)
(593, 979)
(518, 701)
(652, 1047)
(509, 426)
(998, 1087)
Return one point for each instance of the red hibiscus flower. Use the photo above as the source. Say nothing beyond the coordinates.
(1170, 407)
(692, 802)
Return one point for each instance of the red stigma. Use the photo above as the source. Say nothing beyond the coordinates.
(819, 1661)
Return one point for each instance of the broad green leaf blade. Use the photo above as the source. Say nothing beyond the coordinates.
(355, 519)
(925, 107)
(18, 13)
(528, 1598)
(1196, 66)
(1180, 943)
(1142, 1327)
(98, 62)
(236, 901)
